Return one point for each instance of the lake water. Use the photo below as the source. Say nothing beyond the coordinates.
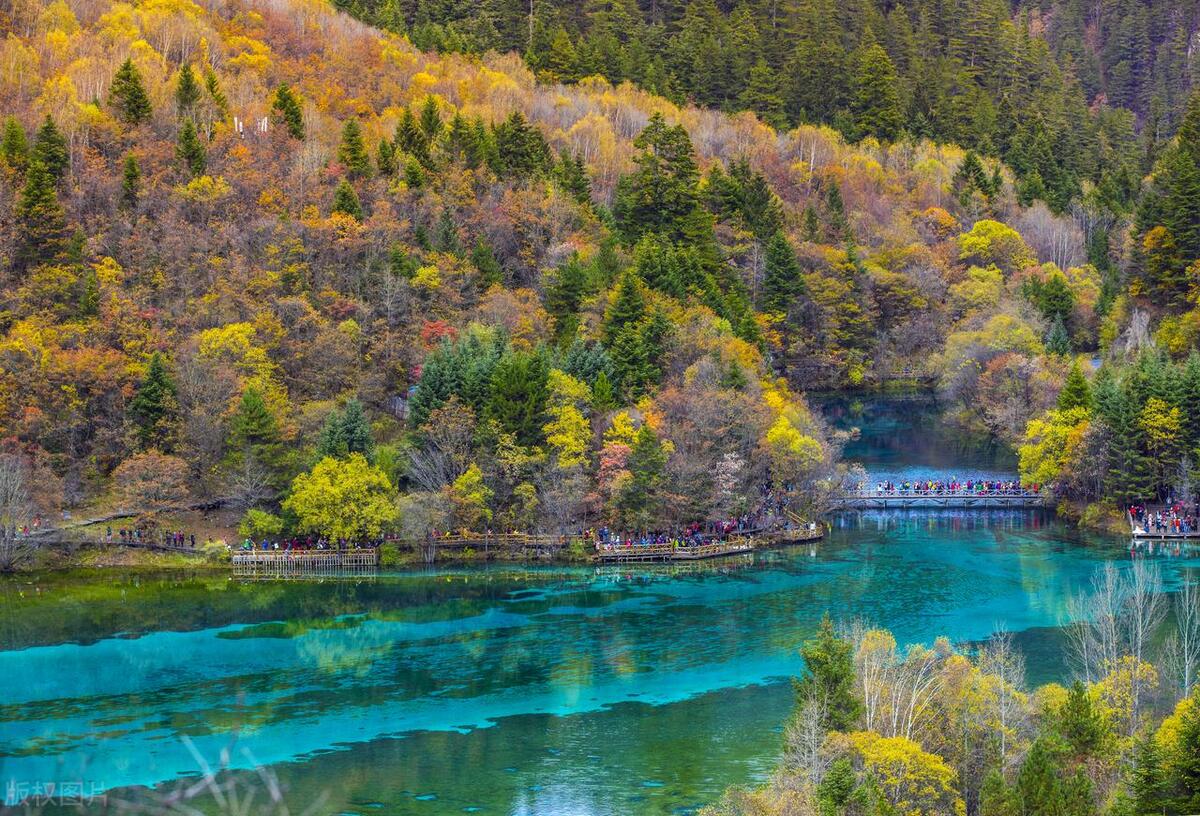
(506, 690)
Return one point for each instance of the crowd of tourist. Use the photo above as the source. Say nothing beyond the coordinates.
(1173, 519)
(949, 487)
(305, 544)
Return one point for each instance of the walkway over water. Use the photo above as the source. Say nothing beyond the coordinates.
(734, 545)
(938, 499)
(303, 563)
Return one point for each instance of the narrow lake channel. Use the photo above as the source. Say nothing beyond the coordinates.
(507, 690)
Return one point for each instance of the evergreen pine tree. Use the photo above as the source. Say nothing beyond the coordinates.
(630, 365)
(430, 119)
(572, 177)
(40, 221)
(386, 158)
(89, 298)
(1075, 393)
(661, 196)
(14, 147)
(1080, 724)
(411, 139)
(187, 91)
(518, 396)
(485, 263)
(131, 183)
(603, 398)
(522, 149)
(876, 103)
(154, 408)
(1185, 771)
(345, 201)
(781, 276)
(190, 150)
(1057, 340)
(829, 677)
(812, 225)
(127, 95)
(763, 94)
(564, 296)
(50, 148)
(345, 432)
(213, 86)
(1149, 784)
(643, 496)
(352, 152)
(288, 107)
(628, 307)
(1130, 477)
(445, 233)
(254, 438)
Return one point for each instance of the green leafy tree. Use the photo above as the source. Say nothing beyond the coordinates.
(385, 158)
(346, 431)
(345, 201)
(517, 402)
(829, 678)
(781, 276)
(14, 147)
(287, 106)
(154, 408)
(50, 148)
(661, 195)
(131, 183)
(1058, 341)
(1080, 724)
(411, 139)
(255, 446)
(522, 149)
(876, 102)
(430, 119)
(213, 85)
(352, 152)
(187, 91)
(127, 95)
(1075, 393)
(485, 263)
(628, 307)
(40, 220)
(190, 150)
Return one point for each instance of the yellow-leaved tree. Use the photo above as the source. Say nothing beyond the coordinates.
(343, 499)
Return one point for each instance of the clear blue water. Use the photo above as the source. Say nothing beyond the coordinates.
(499, 690)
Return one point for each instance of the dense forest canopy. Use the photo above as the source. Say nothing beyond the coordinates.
(255, 246)
(1059, 89)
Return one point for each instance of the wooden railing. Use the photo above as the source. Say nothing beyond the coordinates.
(675, 551)
(302, 563)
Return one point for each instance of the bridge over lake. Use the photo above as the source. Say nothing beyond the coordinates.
(914, 499)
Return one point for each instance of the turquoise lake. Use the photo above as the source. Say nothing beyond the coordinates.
(511, 690)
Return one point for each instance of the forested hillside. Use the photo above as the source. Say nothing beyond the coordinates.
(1060, 89)
(258, 252)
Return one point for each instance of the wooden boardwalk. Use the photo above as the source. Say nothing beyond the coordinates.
(734, 545)
(623, 553)
(911, 500)
(303, 563)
